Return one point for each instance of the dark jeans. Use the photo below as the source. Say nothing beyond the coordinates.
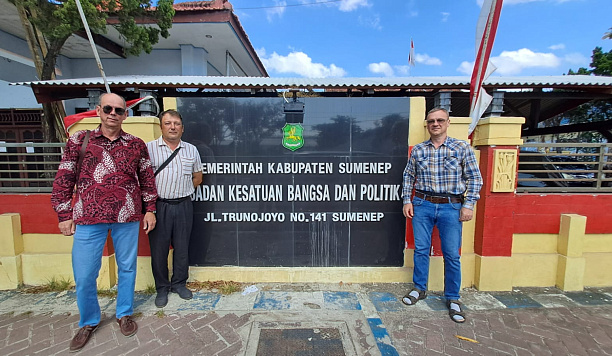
(174, 222)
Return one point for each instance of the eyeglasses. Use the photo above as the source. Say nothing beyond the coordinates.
(109, 109)
(432, 121)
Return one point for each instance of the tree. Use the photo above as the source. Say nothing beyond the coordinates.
(597, 110)
(49, 23)
(601, 64)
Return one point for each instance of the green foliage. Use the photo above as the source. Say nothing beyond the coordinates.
(49, 23)
(59, 284)
(597, 110)
(58, 20)
(150, 289)
(601, 64)
(108, 293)
(53, 285)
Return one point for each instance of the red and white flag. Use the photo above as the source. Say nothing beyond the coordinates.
(411, 54)
(485, 36)
(73, 119)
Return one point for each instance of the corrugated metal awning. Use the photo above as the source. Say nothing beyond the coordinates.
(277, 83)
(76, 88)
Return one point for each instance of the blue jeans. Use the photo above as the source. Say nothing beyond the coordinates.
(87, 250)
(446, 218)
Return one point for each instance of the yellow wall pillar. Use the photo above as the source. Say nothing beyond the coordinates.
(11, 248)
(493, 273)
(571, 266)
(145, 127)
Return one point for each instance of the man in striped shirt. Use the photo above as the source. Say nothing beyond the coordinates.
(175, 183)
(445, 176)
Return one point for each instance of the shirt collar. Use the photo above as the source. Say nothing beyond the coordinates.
(445, 143)
(97, 132)
(161, 142)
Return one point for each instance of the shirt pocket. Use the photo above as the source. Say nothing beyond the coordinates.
(423, 164)
(451, 163)
(187, 165)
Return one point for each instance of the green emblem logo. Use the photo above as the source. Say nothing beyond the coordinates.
(292, 136)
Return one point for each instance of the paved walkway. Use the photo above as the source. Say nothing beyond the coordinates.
(320, 319)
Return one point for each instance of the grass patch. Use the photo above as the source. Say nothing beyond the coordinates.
(53, 285)
(108, 293)
(224, 287)
(150, 289)
(160, 314)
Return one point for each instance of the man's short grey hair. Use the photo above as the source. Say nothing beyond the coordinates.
(102, 95)
(437, 109)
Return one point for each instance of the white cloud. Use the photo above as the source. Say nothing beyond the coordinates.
(577, 59)
(278, 10)
(412, 8)
(445, 16)
(298, 63)
(427, 60)
(402, 70)
(350, 5)
(514, 2)
(371, 21)
(557, 47)
(383, 68)
(514, 62)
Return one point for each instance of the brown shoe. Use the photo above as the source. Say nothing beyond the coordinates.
(127, 325)
(82, 336)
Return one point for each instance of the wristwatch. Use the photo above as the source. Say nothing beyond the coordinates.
(154, 211)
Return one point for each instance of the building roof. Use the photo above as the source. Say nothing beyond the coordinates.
(578, 82)
(203, 5)
(535, 98)
(204, 24)
(594, 86)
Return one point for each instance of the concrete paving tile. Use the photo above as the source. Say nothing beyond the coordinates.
(590, 298)
(305, 300)
(516, 300)
(481, 301)
(341, 301)
(382, 337)
(385, 302)
(237, 301)
(553, 300)
(564, 323)
(272, 301)
(141, 299)
(201, 302)
(434, 302)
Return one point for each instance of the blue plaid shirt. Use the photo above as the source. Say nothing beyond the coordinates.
(450, 169)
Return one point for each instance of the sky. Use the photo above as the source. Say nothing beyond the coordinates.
(371, 38)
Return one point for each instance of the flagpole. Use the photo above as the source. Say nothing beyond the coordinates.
(485, 37)
(93, 45)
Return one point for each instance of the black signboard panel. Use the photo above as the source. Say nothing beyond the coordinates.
(336, 201)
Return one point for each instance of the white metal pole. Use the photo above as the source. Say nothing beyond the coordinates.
(93, 45)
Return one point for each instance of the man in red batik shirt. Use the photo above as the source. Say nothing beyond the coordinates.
(115, 178)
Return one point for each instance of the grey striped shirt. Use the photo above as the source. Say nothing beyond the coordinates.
(175, 180)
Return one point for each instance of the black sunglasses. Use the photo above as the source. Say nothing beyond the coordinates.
(109, 109)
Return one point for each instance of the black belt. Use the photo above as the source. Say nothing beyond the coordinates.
(174, 201)
(437, 199)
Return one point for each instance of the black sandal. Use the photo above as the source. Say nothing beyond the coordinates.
(452, 312)
(413, 300)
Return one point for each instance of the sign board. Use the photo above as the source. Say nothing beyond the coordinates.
(335, 201)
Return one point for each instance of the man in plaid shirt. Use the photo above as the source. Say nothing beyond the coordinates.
(444, 173)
